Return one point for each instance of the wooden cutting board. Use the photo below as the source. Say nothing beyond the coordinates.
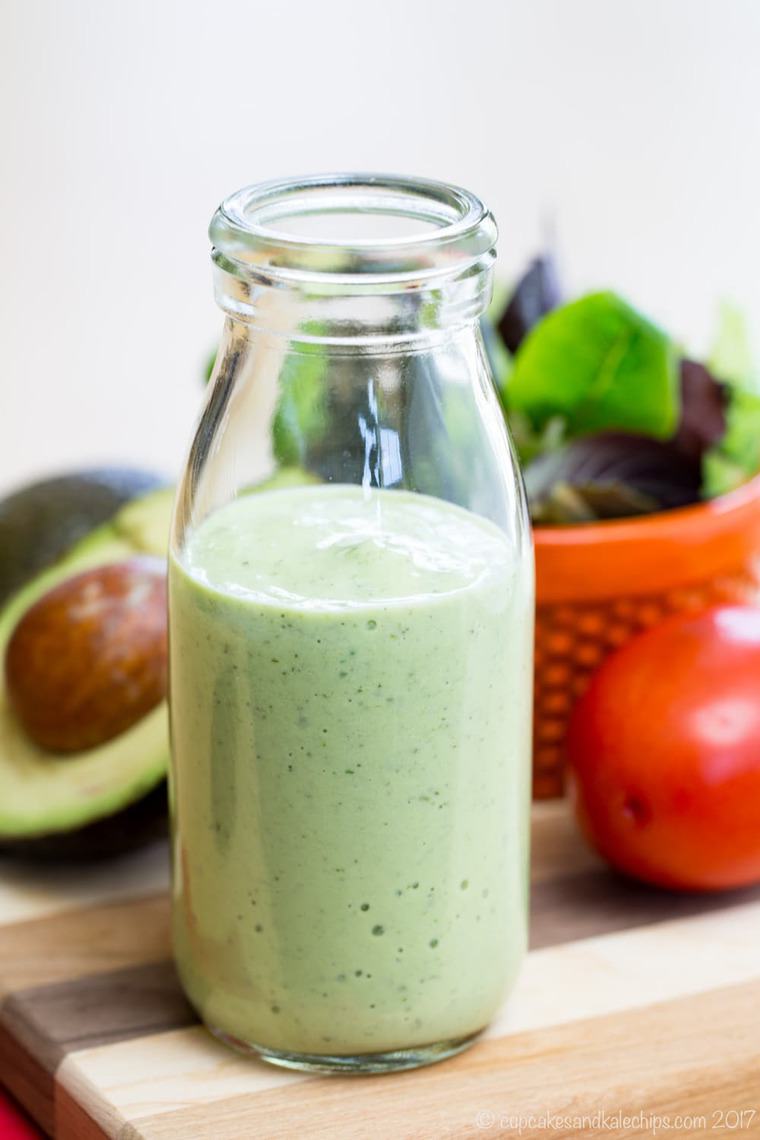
(634, 1005)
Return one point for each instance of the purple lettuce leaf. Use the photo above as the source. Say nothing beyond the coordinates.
(704, 400)
(536, 294)
(612, 475)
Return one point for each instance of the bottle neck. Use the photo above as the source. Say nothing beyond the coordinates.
(360, 313)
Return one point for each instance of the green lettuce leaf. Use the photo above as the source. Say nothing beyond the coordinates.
(601, 366)
(730, 357)
(736, 458)
(300, 418)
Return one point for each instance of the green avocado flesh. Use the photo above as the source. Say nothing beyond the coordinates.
(42, 792)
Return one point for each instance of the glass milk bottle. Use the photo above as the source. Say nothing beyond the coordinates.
(351, 609)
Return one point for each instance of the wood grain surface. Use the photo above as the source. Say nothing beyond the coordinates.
(634, 1004)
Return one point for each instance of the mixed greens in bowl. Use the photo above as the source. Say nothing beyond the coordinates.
(610, 418)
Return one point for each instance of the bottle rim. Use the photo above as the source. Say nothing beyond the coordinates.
(352, 227)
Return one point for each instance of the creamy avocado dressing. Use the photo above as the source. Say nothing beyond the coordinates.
(349, 681)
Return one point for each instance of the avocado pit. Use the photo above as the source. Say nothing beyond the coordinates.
(88, 659)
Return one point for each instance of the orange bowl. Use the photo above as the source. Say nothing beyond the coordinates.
(599, 584)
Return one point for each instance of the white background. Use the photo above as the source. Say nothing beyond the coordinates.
(629, 127)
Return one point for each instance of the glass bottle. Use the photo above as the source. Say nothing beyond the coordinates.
(351, 611)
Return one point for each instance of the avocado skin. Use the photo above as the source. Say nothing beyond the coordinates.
(41, 522)
(142, 822)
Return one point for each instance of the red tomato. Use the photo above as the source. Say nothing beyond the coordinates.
(664, 751)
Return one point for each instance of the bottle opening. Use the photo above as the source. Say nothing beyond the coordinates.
(352, 225)
(332, 223)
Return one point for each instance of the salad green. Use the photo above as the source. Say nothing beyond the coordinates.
(736, 457)
(582, 362)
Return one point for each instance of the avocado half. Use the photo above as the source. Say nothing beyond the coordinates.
(109, 798)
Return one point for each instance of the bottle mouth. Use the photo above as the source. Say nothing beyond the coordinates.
(352, 229)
